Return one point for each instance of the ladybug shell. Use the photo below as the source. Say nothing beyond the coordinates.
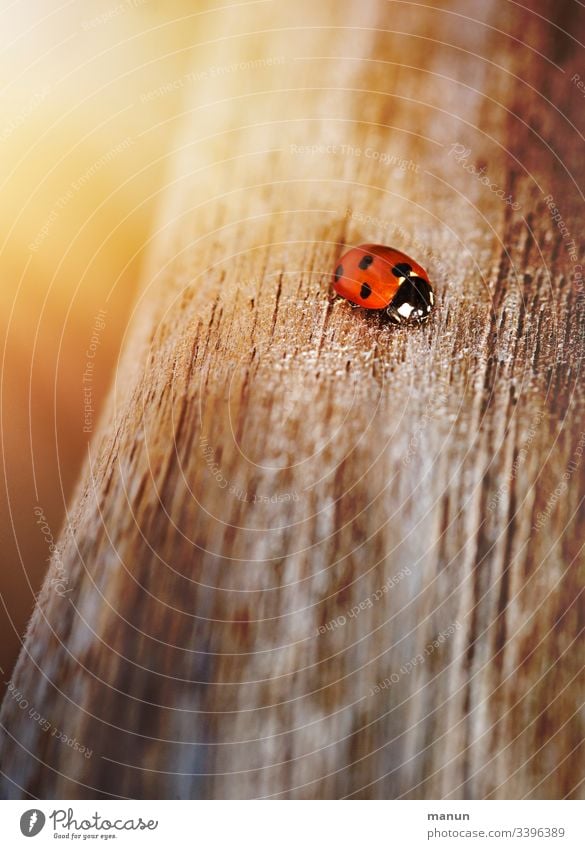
(370, 275)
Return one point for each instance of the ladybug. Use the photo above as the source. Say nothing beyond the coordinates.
(377, 277)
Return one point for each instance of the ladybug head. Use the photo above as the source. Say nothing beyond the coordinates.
(413, 301)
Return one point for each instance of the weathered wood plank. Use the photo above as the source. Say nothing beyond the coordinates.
(290, 504)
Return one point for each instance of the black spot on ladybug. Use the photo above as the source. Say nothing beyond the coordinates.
(338, 272)
(366, 261)
(403, 269)
(365, 291)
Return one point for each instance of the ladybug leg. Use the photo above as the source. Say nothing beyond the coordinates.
(393, 315)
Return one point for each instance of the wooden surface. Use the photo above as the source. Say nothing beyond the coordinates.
(289, 503)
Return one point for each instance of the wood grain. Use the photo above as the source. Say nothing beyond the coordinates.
(289, 503)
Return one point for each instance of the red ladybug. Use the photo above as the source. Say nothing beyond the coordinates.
(380, 278)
